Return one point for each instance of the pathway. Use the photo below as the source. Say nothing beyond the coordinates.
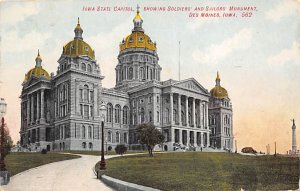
(69, 175)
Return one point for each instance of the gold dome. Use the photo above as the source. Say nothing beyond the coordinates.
(78, 47)
(38, 72)
(218, 91)
(137, 39)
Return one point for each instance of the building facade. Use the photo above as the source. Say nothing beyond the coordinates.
(61, 112)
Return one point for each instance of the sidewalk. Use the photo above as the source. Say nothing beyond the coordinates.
(69, 175)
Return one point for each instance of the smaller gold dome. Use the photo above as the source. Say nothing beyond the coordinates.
(78, 47)
(38, 72)
(218, 91)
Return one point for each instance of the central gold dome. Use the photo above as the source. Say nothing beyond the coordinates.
(138, 39)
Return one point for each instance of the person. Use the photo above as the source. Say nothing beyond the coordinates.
(201, 149)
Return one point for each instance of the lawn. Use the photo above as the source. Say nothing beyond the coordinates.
(18, 162)
(207, 171)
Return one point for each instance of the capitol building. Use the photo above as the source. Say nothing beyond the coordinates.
(62, 111)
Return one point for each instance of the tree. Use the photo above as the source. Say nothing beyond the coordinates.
(120, 149)
(8, 143)
(150, 136)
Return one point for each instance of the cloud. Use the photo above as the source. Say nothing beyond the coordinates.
(14, 43)
(15, 13)
(286, 55)
(282, 9)
(218, 52)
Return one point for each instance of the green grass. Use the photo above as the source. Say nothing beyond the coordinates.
(207, 171)
(98, 153)
(19, 162)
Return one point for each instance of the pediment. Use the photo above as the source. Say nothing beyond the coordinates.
(191, 84)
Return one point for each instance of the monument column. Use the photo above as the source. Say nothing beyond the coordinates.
(179, 109)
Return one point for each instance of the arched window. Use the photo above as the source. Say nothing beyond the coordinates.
(142, 115)
(109, 112)
(125, 115)
(84, 145)
(117, 137)
(117, 113)
(83, 132)
(89, 68)
(85, 93)
(109, 138)
(130, 73)
(91, 145)
(90, 132)
(83, 66)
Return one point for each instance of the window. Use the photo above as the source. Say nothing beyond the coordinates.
(117, 137)
(157, 117)
(142, 115)
(86, 48)
(150, 116)
(130, 73)
(91, 111)
(91, 145)
(109, 112)
(167, 115)
(117, 113)
(83, 66)
(81, 109)
(89, 68)
(85, 93)
(174, 115)
(83, 132)
(81, 94)
(157, 99)
(125, 115)
(109, 138)
(141, 73)
(84, 145)
(125, 137)
(86, 110)
(91, 96)
(90, 132)
(150, 99)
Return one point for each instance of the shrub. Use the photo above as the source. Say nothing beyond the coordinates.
(109, 148)
(120, 149)
(44, 151)
(248, 150)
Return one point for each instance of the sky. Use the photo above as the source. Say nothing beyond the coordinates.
(258, 57)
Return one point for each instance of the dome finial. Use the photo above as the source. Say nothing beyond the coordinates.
(78, 30)
(138, 21)
(38, 60)
(218, 79)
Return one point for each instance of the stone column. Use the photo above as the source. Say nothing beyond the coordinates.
(172, 135)
(195, 138)
(193, 113)
(201, 140)
(187, 110)
(179, 109)
(171, 109)
(180, 136)
(42, 107)
(28, 110)
(38, 107)
(206, 115)
(32, 109)
(208, 139)
(199, 115)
